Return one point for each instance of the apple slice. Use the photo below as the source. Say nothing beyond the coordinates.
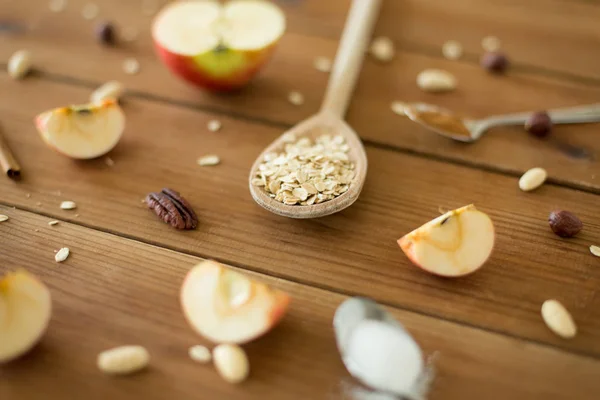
(214, 46)
(84, 131)
(454, 244)
(25, 309)
(227, 307)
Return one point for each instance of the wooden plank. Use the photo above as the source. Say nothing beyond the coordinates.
(69, 49)
(551, 35)
(351, 252)
(112, 291)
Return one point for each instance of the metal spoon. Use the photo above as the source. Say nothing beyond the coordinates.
(359, 24)
(470, 130)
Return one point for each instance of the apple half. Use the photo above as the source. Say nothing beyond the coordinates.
(454, 244)
(83, 131)
(214, 46)
(25, 309)
(225, 306)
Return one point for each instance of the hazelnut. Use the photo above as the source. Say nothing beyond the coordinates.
(564, 223)
(105, 32)
(539, 124)
(494, 62)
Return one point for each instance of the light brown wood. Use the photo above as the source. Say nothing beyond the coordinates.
(65, 47)
(112, 291)
(352, 252)
(346, 69)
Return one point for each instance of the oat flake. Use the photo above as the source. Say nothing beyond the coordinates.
(209, 160)
(399, 108)
(490, 43)
(296, 98)
(322, 64)
(109, 161)
(68, 205)
(452, 50)
(558, 319)
(52, 223)
(595, 250)
(57, 5)
(200, 354)
(62, 254)
(131, 66)
(214, 125)
(3, 218)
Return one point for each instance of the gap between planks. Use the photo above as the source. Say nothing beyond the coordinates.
(323, 287)
(64, 79)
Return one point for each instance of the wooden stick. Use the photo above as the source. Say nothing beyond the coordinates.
(9, 164)
(350, 54)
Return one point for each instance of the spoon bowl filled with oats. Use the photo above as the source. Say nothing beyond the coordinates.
(318, 167)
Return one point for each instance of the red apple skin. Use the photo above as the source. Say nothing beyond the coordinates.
(185, 68)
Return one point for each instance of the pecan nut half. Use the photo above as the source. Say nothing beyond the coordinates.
(173, 209)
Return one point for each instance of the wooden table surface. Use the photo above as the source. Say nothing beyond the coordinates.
(120, 285)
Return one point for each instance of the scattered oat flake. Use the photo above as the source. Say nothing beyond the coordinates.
(131, 66)
(68, 205)
(399, 108)
(39, 203)
(90, 11)
(595, 250)
(129, 34)
(490, 43)
(37, 230)
(57, 5)
(109, 161)
(209, 160)
(214, 125)
(76, 215)
(382, 48)
(296, 98)
(28, 195)
(200, 354)
(3, 218)
(52, 223)
(62, 254)
(322, 64)
(452, 50)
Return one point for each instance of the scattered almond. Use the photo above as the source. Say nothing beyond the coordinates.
(68, 205)
(382, 48)
(90, 11)
(110, 90)
(296, 98)
(62, 254)
(595, 250)
(214, 125)
(19, 64)
(57, 5)
(323, 64)
(490, 43)
(452, 50)
(558, 319)
(123, 360)
(231, 362)
(532, 179)
(209, 160)
(52, 223)
(436, 80)
(131, 66)
(3, 218)
(200, 354)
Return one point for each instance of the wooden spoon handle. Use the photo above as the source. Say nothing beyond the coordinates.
(350, 54)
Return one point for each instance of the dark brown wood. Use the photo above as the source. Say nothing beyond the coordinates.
(112, 291)
(354, 251)
(8, 163)
(65, 47)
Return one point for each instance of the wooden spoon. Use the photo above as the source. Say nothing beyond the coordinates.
(353, 45)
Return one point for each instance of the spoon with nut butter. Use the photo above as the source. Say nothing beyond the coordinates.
(451, 125)
(318, 167)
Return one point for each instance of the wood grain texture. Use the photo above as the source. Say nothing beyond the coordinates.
(112, 291)
(353, 251)
(549, 35)
(65, 48)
